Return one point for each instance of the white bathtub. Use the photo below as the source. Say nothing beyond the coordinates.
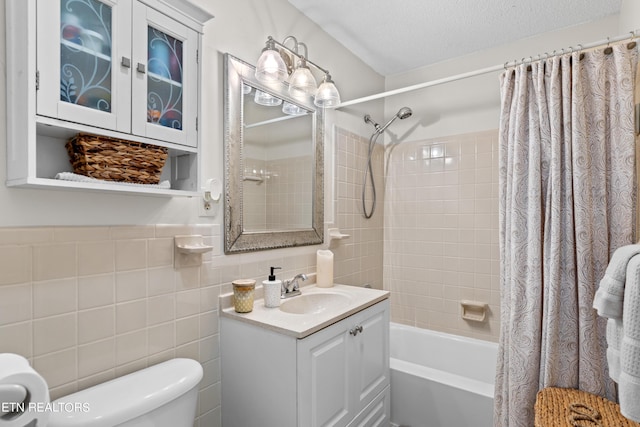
(440, 380)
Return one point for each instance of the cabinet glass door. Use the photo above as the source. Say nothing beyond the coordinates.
(83, 53)
(165, 81)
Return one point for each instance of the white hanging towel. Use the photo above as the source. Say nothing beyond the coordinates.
(618, 299)
(610, 293)
(629, 382)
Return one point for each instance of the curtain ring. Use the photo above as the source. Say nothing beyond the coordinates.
(632, 42)
(608, 50)
(505, 64)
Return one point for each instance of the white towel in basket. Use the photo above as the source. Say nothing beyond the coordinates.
(70, 176)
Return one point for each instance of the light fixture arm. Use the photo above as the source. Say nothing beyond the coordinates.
(295, 43)
(306, 51)
(295, 52)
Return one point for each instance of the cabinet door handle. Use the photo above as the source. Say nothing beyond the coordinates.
(356, 330)
(126, 62)
(141, 68)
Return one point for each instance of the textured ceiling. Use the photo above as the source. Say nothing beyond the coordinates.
(394, 36)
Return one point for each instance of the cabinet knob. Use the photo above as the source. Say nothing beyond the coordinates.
(141, 68)
(126, 62)
(356, 330)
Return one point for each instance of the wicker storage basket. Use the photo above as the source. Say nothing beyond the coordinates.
(565, 407)
(113, 159)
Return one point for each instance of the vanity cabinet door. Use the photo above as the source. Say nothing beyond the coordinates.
(83, 47)
(370, 348)
(324, 372)
(343, 368)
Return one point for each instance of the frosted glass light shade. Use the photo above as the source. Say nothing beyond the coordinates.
(302, 82)
(265, 99)
(292, 109)
(271, 67)
(327, 95)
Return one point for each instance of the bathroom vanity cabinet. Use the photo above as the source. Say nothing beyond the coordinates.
(126, 69)
(337, 376)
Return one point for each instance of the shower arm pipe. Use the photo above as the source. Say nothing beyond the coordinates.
(634, 35)
(295, 52)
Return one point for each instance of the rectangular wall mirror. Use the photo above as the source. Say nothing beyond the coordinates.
(274, 168)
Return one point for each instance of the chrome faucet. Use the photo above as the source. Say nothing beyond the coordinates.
(290, 288)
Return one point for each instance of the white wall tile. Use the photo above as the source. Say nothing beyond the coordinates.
(96, 291)
(15, 303)
(15, 264)
(54, 333)
(55, 297)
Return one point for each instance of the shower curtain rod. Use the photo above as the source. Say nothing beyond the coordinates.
(634, 35)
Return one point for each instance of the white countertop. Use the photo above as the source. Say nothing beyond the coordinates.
(302, 325)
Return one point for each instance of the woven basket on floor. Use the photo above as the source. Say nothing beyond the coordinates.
(565, 407)
(113, 159)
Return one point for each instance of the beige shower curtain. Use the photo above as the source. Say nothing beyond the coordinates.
(567, 201)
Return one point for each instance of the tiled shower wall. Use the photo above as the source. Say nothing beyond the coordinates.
(441, 232)
(358, 259)
(87, 304)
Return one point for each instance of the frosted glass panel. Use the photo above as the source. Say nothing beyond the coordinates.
(85, 53)
(164, 81)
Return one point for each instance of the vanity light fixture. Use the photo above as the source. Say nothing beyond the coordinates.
(271, 68)
(301, 81)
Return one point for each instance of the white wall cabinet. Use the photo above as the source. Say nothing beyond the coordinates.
(338, 376)
(121, 68)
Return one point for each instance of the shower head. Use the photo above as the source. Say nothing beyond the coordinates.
(403, 113)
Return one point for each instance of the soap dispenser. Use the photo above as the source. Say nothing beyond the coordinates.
(272, 289)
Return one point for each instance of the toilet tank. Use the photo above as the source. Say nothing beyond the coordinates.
(162, 395)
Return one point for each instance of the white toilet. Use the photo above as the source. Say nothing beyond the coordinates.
(164, 395)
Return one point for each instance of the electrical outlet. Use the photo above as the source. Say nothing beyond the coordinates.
(207, 209)
(209, 204)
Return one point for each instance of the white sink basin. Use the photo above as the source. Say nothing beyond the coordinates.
(315, 303)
